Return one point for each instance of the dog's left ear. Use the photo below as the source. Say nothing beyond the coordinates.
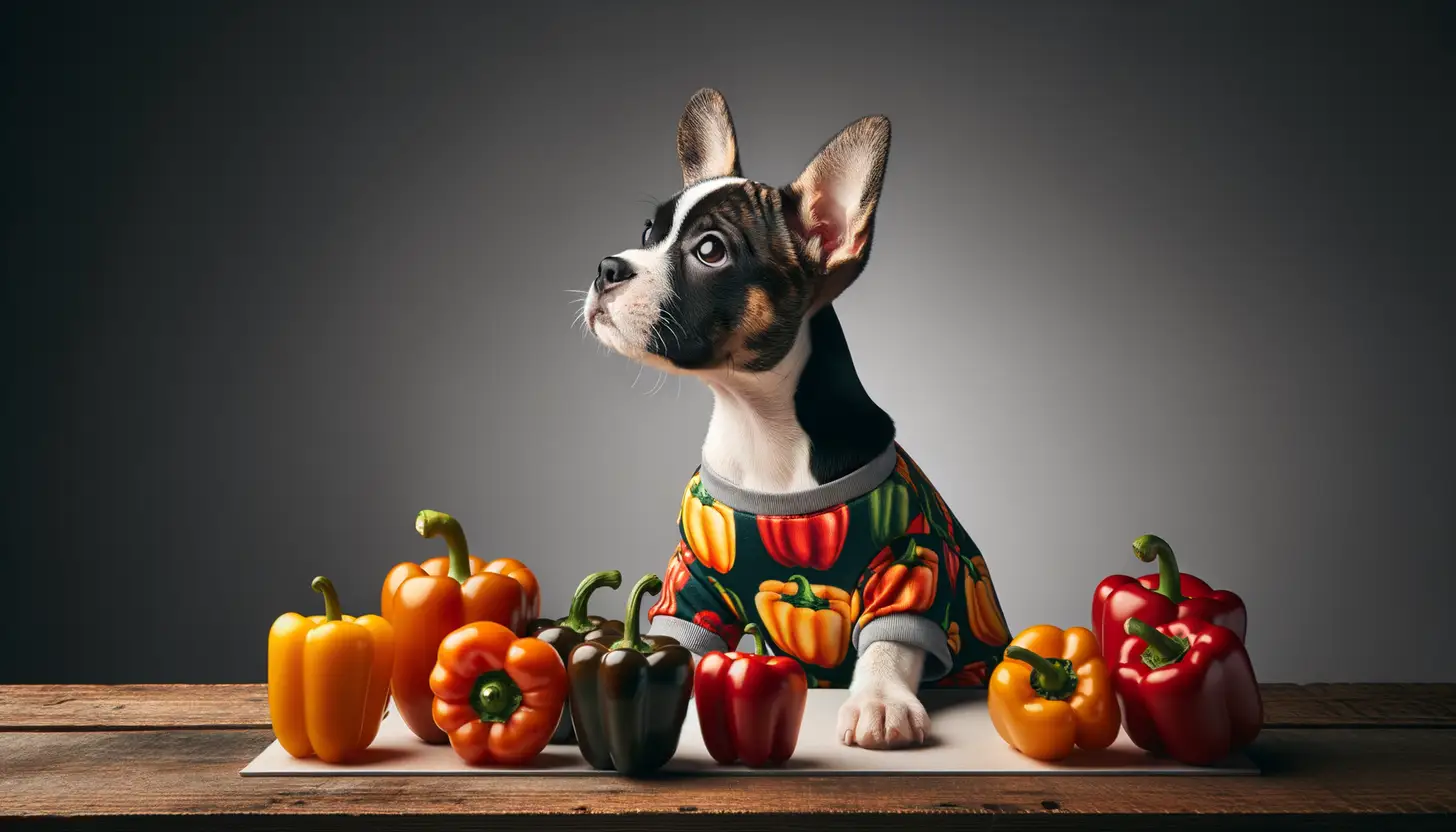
(706, 144)
(832, 203)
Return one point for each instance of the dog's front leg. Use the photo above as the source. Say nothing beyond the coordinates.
(883, 710)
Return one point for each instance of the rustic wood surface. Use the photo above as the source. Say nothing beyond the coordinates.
(127, 707)
(167, 757)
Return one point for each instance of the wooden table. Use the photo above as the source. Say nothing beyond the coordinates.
(167, 757)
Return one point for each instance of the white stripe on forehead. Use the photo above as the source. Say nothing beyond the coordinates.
(690, 197)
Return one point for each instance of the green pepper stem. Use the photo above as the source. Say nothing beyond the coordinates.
(439, 524)
(760, 647)
(701, 493)
(804, 595)
(1052, 680)
(331, 598)
(911, 556)
(631, 639)
(1165, 648)
(496, 696)
(1150, 547)
(576, 619)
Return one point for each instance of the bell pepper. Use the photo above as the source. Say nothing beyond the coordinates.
(629, 697)
(811, 622)
(565, 633)
(750, 705)
(903, 583)
(522, 574)
(708, 527)
(1188, 690)
(1052, 692)
(1158, 599)
(498, 696)
(889, 507)
(328, 679)
(987, 621)
(428, 604)
(809, 540)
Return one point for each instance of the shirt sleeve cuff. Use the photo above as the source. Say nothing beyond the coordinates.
(911, 629)
(699, 640)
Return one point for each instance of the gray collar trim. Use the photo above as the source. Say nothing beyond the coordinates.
(857, 483)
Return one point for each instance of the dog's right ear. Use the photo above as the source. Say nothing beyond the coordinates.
(706, 145)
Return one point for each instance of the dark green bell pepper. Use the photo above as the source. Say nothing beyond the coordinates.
(629, 697)
(889, 507)
(564, 634)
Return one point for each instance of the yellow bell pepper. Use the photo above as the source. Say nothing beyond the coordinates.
(1053, 691)
(811, 622)
(707, 526)
(328, 679)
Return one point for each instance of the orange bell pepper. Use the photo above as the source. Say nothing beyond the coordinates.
(328, 679)
(426, 602)
(900, 583)
(522, 574)
(1053, 691)
(810, 622)
(497, 696)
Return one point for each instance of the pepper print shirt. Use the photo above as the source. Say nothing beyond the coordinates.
(891, 564)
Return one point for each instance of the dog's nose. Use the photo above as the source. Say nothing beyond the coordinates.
(612, 271)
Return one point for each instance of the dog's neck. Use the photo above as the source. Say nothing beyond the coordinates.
(806, 422)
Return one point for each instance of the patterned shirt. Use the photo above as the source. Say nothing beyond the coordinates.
(874, 556)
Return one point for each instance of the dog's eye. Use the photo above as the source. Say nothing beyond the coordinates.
(711, 251)
(646, 232)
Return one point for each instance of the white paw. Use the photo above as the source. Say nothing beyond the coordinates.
(887, 715)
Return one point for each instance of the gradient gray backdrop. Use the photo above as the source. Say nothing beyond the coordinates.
(277, 276)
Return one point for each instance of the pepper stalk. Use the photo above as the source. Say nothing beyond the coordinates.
(1052, 679)
(1150, 547)
(439, 524)
(1162, 649)
(576, 619)
(324, 586)
(631, 639)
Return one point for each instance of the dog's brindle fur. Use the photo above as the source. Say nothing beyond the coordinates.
(733, 284)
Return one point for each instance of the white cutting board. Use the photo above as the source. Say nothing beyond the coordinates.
(963, 741)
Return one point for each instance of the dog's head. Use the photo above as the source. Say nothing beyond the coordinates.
(728, 269)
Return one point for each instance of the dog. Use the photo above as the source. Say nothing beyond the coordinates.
(804, 501)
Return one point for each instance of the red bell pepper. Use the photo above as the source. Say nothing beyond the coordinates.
(1153, 598)
(813, 541)
(1187, 690)
(750, 705)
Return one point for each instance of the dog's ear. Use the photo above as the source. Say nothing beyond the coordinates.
(706, 144)
(831, 206)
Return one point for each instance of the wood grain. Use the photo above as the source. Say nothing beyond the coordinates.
(128, 707)
(1308, 773)
(124, 707)
(167, 757)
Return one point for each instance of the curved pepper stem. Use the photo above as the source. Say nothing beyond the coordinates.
(576, 619)
(1150, 547)
(331, 598)
(1162, 649)
(439, 524)
(760, 647)
(804, 595)
(631, 639)
(1050, 678)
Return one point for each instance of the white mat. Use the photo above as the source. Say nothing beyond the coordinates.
(963, 741)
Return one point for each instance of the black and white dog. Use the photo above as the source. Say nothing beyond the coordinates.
(732, 284)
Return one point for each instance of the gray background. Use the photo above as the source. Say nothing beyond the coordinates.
(278, 276)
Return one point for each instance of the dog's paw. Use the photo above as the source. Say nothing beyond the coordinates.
(884, 716)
